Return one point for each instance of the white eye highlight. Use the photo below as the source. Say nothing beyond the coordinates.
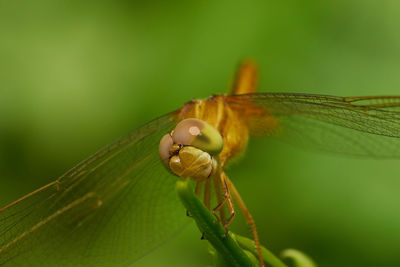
(194, 130)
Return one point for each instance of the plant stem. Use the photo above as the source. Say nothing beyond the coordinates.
(268, 257)
(299, 258)
(211, 228)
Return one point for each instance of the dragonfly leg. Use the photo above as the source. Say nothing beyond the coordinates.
(217, 188)
(248, 216)
(231, 208)
(220, 205)
(225, 200)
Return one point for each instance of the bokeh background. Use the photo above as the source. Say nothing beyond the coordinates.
(75, 75)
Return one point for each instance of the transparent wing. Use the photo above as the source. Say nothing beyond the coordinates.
(362, 126)
(109, 210)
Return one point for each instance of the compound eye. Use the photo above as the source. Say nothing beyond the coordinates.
(164, 147)
(198, 133)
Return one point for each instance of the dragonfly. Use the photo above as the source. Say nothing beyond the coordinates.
(119, 204)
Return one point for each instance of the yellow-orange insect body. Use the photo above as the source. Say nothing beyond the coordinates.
(123, 185)
(192, 162)
(189, 149)
(213, 131)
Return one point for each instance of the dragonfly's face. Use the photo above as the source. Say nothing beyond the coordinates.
(189, 150)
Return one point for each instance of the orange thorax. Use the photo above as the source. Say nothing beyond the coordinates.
(228, 121)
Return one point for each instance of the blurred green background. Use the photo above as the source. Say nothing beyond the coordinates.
(76, 75)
